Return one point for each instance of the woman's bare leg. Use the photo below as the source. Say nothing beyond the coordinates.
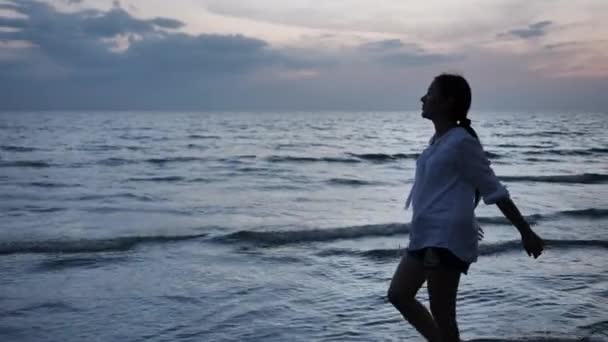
(408, 278)
(443, 288)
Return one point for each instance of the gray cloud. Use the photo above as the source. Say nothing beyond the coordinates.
(82, 42)
(556, 46)
(387, 45)
(118, 21)
(532, 31)
(76, 54)
(112, 60)
(396, 53)
(75, 59)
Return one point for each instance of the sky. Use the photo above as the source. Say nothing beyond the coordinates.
(300, 54)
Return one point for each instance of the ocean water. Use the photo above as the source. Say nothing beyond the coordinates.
(283, 226)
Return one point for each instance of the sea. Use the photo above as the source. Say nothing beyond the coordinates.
(284, 226)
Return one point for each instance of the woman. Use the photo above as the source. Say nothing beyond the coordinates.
(451, 174)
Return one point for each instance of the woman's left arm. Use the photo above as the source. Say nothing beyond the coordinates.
(475, 168)
(532, 243)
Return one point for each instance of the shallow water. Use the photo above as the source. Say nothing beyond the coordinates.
(157, 226)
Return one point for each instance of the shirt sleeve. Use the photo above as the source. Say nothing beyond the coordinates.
(475, 168)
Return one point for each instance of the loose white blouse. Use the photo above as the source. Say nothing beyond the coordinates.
(443, 194)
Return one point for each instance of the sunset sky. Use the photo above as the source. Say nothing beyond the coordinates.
(300, 54)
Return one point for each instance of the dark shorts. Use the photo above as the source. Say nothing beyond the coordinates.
(435, 258)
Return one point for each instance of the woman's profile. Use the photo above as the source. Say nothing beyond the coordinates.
(452, 175)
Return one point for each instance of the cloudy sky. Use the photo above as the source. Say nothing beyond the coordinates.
(300, 54)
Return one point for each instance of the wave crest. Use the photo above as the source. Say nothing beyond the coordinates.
(119, 244)
(484, 249)
(315, 235)
(585, 178)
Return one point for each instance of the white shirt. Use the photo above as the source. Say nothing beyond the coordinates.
(443, 195)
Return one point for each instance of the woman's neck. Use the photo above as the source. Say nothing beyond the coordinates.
(442, 126)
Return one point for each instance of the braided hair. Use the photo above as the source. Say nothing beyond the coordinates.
(457, 88)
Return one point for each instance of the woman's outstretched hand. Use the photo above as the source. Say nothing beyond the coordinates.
(532, 243)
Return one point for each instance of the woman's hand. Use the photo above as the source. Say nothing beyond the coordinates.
(532, 243)
(479, 234)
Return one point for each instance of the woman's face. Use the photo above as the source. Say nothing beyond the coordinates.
(434, 105)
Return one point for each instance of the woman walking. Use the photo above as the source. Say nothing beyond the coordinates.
(452, 173)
